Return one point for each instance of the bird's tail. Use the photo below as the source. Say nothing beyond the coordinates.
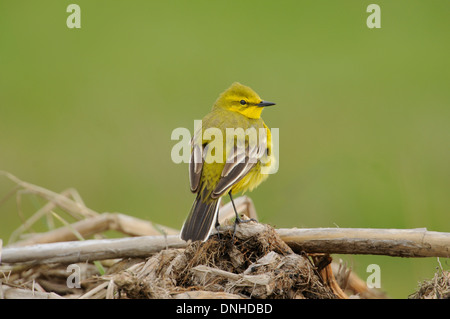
(201, 219)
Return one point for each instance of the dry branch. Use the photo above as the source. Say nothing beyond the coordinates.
(59, 199)
(90, 250)
(391, 242)
(125, 224)
(92, 222)
(19, 293)
(107, 221)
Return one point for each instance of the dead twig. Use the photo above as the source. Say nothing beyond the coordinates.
(368, 241)
(391, 242)
(107, 221)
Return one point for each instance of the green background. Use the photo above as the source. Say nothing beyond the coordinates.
(363, 113)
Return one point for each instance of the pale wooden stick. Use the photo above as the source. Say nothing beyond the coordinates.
(58, 199)
(19, 293)
(26, 225)
(90, 250)
(93, 291)
(96, 222)
(107, 221)
(205, 273)
(123, 223)
(391, 242)
(110, 290)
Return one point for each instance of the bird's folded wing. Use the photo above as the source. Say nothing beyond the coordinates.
(238, 164)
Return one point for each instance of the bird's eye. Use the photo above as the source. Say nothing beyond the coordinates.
(243, 102)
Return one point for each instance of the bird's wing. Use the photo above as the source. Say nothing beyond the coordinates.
(238, 164)
(196, 161)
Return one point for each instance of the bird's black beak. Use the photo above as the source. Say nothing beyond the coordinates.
(265, 103)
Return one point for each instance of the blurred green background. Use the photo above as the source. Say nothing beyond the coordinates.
(363, 113)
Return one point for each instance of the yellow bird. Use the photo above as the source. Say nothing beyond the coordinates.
(228, 166)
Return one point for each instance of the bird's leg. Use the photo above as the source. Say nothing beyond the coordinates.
(238, 219)
(217, 225)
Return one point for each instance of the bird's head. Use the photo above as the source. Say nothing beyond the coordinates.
(242, 99)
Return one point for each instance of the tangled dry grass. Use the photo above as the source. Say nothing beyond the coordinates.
(226, 266)
(253, 262)
(250, 267)
(436, 288)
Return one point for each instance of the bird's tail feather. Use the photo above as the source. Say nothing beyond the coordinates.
(201, 219)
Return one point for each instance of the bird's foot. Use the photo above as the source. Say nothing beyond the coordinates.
(239, 220)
